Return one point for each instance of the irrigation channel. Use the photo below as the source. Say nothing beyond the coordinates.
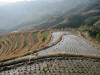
(63, 64)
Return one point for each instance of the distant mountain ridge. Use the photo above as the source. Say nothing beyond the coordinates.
(73, 18)
(49, 14)
(32, 12)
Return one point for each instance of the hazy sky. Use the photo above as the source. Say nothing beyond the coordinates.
(13, 0)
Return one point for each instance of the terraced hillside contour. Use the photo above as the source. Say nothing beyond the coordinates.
(19, 43)
(57, 64)
(65, 53)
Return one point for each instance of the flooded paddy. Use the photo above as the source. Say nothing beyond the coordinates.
(62, 65)
(70, 43)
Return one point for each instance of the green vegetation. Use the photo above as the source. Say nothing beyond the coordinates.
(45, 35)
(91, 20)
(98, 37)
(80, 16)
(34, 35)
(97, 23)
(77, 20)
(86, 18)
(93, 31)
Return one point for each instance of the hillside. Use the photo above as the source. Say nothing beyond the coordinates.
(84, 14)
(20, 43)
(25, 13)
(50, 37)
(71, 55)
(88, 15)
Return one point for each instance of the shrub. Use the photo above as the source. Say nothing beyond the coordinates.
(98, 37)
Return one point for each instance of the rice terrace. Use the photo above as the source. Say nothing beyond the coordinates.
(49, 37)
(47, 53)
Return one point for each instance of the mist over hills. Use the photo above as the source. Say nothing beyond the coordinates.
(73, 18)
(40, 14)
(32, 12)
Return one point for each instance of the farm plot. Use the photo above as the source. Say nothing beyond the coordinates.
(58, 65)
(55, 36)
(71, 43)
(19, 43)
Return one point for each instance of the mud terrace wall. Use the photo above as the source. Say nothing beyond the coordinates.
(58, 65)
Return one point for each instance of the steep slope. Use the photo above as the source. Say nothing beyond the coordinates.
(84, 14)
(88, 15)
(20, 43)
(17, 15)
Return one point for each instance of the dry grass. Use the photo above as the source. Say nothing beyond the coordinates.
(20, 43)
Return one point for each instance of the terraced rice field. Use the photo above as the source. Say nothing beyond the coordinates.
(55, 36)
(57, 65)
(19, 43)
(72, 44)
(77, 56)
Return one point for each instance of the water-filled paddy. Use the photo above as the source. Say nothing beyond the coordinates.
(64, 65)
(71, 43)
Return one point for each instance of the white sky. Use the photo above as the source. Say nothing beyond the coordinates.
(13, 0)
